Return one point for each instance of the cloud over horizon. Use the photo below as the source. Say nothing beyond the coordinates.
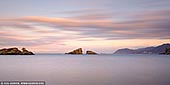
(87, 25)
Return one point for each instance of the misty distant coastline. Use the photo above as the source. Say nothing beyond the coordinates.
(160, 49)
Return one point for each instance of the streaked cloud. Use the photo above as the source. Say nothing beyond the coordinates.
(69, 26)
(141, 25)
(155, 3)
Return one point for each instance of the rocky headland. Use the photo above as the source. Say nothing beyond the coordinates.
(167, 51)
(161, 49)
(15, 51)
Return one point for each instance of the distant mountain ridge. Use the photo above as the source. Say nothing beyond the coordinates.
(147, 50)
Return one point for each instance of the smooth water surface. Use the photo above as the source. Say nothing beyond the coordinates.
(87, 69)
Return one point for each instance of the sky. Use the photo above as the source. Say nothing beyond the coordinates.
(59, 26)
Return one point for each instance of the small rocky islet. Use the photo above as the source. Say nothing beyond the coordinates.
(24, 51)
(15, 51)
(80, 51)
(76, 51)
(90, 52)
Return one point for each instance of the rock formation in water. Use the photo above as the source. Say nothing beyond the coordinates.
(167, 51)
(148, 50)
(77, 51)
(15, 51)
(90, 52)
(26, 52)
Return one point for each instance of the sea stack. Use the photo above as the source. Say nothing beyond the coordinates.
(77, 51)
(15, 51)
(90, 52)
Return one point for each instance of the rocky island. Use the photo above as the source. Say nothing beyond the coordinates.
(90, 52)
(15, 51)
(77, 51)
(80, 51)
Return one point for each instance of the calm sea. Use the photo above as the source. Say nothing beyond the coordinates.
(87, 69)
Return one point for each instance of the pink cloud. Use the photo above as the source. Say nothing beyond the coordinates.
(36, 30)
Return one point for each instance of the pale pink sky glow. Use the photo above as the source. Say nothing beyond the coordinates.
(103, 26)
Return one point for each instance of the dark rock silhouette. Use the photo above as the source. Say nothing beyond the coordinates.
(15, 51)
(77, 51)
(148, 50)
(90, 52)
(167, 51)
(26, 52)
(10, 51)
